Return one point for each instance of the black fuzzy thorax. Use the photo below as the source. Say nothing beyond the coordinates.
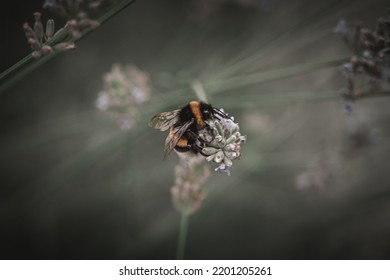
(186, 115)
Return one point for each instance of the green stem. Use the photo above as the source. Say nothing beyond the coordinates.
(182, 236)
(129, 196)
(28, 64)
(277, 39)
(116, 9)
(15, 67)
(269, 75)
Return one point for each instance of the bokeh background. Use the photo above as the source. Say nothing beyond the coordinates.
(312, 181)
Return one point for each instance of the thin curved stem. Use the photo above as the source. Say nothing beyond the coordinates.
(15, 67)
(182, 236)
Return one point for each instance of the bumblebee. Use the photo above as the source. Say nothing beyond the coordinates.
(184, 125)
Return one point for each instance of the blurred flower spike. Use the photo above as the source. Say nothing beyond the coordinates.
(124, 88)
(77, 12)
(190, 176)
(44, 41)
(222, 142)
(319, 173)
(369, 66)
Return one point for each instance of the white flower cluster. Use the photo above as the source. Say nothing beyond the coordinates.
(222, 141)
(125, 87)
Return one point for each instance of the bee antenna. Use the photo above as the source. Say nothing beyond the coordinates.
(220, 113)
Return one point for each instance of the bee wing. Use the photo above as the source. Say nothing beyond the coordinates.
(164, 120)
(174, 136)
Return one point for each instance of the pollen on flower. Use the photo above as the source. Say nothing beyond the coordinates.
(124, 87)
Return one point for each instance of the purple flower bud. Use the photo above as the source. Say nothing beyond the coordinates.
(34, 44)
(28, 31)
(65, 46)
(38, 27)
(46, 49)
(50, 27)
(36, 54)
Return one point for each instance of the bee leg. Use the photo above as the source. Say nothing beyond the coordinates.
(197, 147)
(192, 135)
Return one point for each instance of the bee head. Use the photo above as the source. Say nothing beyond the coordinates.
(207, 111)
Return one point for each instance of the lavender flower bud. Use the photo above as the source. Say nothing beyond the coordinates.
(38, 27)
(50, 29)
(28, 31)
(66, 46)
(209, 150)
(36, 54)
(227, 161)
(218, 157)
(34, 44)
(46, 49)
(219, 131)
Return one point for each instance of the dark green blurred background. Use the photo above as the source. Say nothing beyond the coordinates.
(312, 182)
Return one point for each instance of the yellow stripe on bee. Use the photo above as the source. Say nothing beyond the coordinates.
(183, 142)
(195, 108)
